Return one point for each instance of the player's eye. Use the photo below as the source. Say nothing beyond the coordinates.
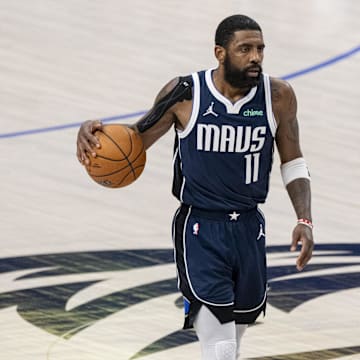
(244, 49)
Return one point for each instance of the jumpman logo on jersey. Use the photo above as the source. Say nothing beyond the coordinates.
(210, 110)
(261, 232)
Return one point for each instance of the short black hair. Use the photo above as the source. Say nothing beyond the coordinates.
(229, 25)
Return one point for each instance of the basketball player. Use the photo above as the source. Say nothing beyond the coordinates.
(227, 120)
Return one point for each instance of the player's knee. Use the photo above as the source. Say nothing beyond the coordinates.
(225, 350)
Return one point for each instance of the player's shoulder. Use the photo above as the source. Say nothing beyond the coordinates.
(174, 84)
(187, 79)
(281, 90)
(171, 84)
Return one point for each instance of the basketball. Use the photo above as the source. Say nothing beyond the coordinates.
(121, 158)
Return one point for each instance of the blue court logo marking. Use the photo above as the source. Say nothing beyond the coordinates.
(45, 306)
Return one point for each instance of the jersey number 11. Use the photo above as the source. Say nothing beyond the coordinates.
(252, 168)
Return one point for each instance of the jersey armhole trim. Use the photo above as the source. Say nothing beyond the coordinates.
(269, 112)
(195, 108)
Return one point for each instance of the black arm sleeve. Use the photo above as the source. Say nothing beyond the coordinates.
(182, 91)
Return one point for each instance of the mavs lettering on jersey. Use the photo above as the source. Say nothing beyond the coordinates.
(229, 139)
(223, 158)
(226, 138)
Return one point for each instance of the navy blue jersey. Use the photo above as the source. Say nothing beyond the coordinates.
(223, 158)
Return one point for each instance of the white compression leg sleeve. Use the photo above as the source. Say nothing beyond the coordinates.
(240, 330)
(218, 341)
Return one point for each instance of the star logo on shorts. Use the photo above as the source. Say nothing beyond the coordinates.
(234, 215)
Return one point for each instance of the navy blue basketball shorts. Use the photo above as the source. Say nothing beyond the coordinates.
(221, 263)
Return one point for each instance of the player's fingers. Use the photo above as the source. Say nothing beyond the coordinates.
(305, 255)
(84, 158)
(78, 155)
(84, 150)
(89, 140)
(302, 262)
(294, 243)
(95, 125)
(87, 146)
(86, 135)
(81, 155)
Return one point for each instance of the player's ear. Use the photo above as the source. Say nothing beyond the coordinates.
(220, 53)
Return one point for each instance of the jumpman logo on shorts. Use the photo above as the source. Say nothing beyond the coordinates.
(261, 232)
(210, 110)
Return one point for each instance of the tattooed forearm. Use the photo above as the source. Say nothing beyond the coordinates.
(300, 195)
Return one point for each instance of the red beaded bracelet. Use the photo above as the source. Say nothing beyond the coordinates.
(306, 222)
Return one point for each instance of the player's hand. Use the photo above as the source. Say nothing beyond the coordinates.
(302, 234)
(87, 141)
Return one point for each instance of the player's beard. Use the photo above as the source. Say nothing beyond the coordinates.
(239, 78)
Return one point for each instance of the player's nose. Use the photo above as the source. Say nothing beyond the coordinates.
(255, 57)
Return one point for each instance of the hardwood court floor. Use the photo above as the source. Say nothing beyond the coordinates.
(85, 272)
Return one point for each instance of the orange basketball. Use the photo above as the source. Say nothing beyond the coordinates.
(121, 158)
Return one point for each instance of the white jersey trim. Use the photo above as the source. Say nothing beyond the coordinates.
(178, 152)
(173, 238)
(230, 107)
(268, 102)
(261, 213)
(184, 178)
(195, 108)
(174, 157)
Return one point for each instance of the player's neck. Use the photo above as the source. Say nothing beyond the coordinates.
(232, 93)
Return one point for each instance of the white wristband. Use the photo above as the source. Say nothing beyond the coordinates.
(294, 169)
